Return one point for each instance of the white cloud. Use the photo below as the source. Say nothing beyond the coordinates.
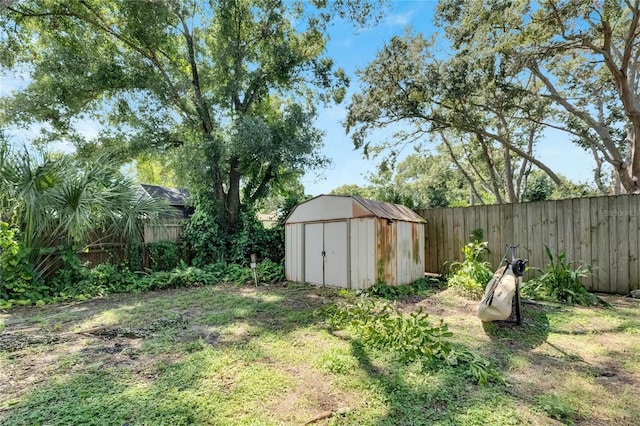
(400, 19)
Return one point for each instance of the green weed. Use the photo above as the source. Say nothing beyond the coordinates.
(561, 282)
(470, 276)
(557, 408)
(410, 337)
(422, 287)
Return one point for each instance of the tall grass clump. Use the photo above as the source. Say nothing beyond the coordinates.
(562, 282)
(470, 276)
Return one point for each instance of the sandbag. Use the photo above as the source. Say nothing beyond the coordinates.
(496, 304)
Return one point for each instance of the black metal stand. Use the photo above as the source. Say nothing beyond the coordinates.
(517, 301)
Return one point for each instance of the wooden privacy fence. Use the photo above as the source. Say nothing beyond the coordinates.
(600, 231)
(165, 230)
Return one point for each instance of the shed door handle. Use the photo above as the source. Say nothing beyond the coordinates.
(324, 253)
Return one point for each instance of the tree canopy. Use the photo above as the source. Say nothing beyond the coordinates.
(583, 57)
(512, 70)
(231, 84)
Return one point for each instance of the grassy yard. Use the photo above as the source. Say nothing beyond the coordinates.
(225, 355)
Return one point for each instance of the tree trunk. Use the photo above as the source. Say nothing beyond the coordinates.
(495, 182)
(233, 194)
(510, 192)
(634, 155)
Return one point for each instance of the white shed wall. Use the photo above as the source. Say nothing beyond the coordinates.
(363, 257)
(294, 252)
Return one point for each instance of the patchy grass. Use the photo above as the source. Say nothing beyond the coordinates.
(262, 356)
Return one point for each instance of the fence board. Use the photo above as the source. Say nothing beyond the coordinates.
(634, 224)
(567, 229)
(520, 230)
(165, 230)
(447, 223)
(593, 238)
(459, 239)
(443, 237)
(601, 231)
(611, 215)
(539, 239)
(622, 255)
(550, 223)
(470, 222)
(585, 235)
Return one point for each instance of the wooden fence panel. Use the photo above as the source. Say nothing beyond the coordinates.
(165, 230)
(585, 235)
(601, 231)
(634, 230)
(537, 240)
(114, 252)
(602, 245)
(620, 285)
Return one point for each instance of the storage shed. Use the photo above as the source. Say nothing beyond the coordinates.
(352, 242)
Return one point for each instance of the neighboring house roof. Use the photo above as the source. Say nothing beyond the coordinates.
(173, 196)
(333, 207)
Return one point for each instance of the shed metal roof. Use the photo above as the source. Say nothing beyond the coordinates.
(389, 211)
(334, 207)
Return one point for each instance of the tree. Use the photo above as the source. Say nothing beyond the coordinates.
(465, 102)
(353, 189)
(57, 201)
(433, 180)
(232, 83)
(583, 55)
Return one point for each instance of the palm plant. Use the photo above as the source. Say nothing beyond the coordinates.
(57, 200)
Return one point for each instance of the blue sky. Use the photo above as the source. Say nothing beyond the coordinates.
(353, 50)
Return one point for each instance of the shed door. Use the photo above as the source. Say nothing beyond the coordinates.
(325, 254)
(335, 247)
(313, 248)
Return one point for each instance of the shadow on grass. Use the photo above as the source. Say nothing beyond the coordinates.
(419, 394)
(172, 375)
(531, 333)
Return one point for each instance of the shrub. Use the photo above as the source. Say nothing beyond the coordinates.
(422, 286)
(561, 282)
(472, 274)
(238, 274)
(270, 272)
(17, 280)
(163, 255)
(410, 336)
(210, 240)
(204, 234)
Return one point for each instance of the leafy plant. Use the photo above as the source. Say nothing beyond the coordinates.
(68, 201)
(410, 336)
(270, 272)
(210, 240)
(557, 408)
(472, 274)
(163, 255)
(385, 291)
(16, 277)
(561, 281)
(422, 286)
(204, 234)
(238, 274)
(384, 327)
